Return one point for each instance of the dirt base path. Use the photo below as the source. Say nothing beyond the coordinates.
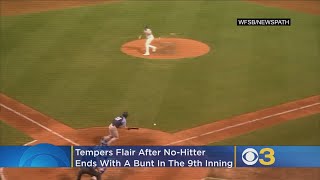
(46, 129)
(245, 123)
(36, 125)
(17, 7)
(306, 6)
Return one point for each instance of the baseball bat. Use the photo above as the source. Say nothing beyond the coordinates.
(129, 128)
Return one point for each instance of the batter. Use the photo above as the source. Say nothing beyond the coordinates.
(118, 122)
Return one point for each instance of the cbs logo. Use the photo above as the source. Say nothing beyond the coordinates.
(44, 155)
(250, 156)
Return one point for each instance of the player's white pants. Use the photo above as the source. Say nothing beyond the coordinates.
(113, 135)
(148, 46)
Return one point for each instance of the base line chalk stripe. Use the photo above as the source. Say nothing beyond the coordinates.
(40, 125)
(247, 122)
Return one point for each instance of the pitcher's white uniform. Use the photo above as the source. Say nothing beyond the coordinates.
(150, 38)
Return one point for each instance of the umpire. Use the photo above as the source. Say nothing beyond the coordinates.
(93, 172)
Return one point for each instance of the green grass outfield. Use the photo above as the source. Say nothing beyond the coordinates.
(68, 64)
(12, 136)
(304, 131)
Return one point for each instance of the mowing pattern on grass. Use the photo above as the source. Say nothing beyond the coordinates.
(11, 7)
(243, 76)
(68, 63)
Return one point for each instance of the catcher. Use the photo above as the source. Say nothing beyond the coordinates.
(118, 122)
(94, 172)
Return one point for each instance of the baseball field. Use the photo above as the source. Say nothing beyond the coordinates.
(69, 67)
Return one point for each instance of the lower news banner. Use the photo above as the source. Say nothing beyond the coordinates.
(153, 156)
(49, 156)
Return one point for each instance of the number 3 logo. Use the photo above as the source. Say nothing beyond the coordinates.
(268, 154)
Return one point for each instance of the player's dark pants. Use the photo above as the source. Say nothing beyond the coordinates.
(90, 171)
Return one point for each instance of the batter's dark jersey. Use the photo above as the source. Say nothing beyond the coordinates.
(119, 121)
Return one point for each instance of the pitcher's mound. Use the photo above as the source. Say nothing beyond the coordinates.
(167, 48)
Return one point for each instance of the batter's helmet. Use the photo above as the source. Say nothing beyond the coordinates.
(125, 114)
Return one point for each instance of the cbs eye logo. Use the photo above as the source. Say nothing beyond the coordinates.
(250, 156)
(44, 155)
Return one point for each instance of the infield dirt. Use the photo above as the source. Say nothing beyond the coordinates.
(15, 116)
